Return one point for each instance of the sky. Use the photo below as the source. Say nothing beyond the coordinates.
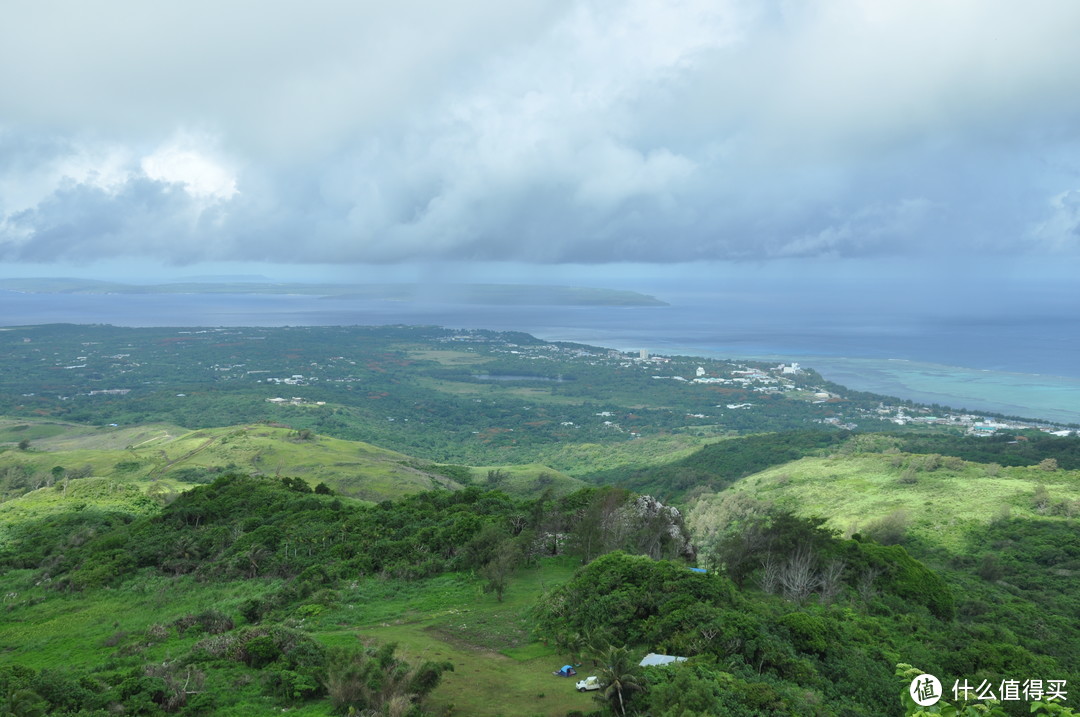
(570, 140)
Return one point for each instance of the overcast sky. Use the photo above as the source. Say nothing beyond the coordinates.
(558, 133)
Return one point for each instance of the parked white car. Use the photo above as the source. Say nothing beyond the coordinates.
(589, 683)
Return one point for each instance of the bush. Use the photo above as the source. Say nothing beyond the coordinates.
(213, 622)
(376, 680)
(809, 633)
(889, 530)
(903, 576)
(990, 568)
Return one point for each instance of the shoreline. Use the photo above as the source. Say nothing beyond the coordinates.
(1030, 396)
(1034, 396)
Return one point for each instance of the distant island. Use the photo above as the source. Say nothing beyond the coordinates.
(482, 294)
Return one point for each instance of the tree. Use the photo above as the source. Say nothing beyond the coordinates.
(831, 580)
(865, 584)
(498, 570)
(24, 444)
(620, 676)
(597, 642)
(799, 576)
(496, 478)
(595, 524)
(1041, 498)
(84, 471)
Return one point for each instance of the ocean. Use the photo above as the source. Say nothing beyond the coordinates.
(1000, 361)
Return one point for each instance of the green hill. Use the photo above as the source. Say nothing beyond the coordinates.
(178, 457)
(133, 469)
(936, 499)
(1004, 539)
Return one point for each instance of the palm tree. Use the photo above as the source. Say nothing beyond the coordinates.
(620, 676)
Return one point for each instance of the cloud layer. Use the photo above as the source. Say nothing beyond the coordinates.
(542, 132)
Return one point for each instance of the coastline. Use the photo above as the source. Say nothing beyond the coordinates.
(664, 330)
(1023, 395)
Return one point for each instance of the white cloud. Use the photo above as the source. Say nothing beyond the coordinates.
(180, 162)
(534, 131)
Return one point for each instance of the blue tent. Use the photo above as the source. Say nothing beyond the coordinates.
(566, 671)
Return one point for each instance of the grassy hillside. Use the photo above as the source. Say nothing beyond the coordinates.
(499, 666)
(103, 593)
(938, 500)
(249, 587)
(1005, 539)
(176, 457)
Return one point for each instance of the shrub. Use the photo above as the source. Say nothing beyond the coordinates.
(990, 568)
(378, 681)
(253, 609)
(889, 530)
(904, 577)
(809, 632)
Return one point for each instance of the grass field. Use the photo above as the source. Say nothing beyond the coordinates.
(499, 667)
(175, 458)
(171, 454)
(940, 505)
(583, 459)
(446, 357)
(529, 479)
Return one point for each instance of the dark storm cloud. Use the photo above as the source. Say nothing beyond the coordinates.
(584, 132)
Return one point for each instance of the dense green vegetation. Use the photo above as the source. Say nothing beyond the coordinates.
(1007, 449)
(790, 619)
(429, 521)
(717, 466)
(302, 549)
(808, 638)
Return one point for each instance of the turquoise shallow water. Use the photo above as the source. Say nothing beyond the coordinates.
(1025, 395)
(1056, 398)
